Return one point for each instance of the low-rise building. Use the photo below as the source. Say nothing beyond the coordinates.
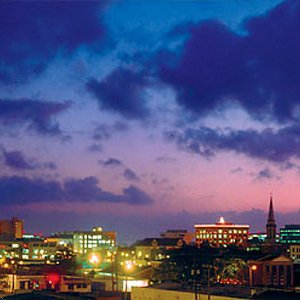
(183, 234)
(294, 251)
(222, 234)
(150, 249)
(85, 242)
(271, 271)
(290, 234)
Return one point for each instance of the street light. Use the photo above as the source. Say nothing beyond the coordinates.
(253, 268)
(94, 259)
(128, 267)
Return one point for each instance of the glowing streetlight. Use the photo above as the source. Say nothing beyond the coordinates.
(94, 259)
(253, 268)
(128, 267)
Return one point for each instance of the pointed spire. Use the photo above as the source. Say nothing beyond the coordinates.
(271, 218)
(271, 225)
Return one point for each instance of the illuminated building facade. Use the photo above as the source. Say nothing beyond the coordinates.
(40, 250)
(271, 271)
(295, 253)
(290, 234)
(222, 234)
(11, 228)
(90, 241)
(63, 240)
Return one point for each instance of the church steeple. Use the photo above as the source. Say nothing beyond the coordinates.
(271, 225)
(271, 218)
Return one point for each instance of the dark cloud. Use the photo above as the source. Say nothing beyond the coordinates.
(33, 33)
(111, 162)
(105, 131)
(50, 165)
(165, 159)
(265, 173)
(259, 69)
(277, 146)
(130, 175)
(236, 170)
(95, 148)
(17, 190)
(17, 161)
(37, 115)
(122, 91)
(102, 132)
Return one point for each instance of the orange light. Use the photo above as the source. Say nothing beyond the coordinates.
(128, 265)
(254, 268)
(94, 259)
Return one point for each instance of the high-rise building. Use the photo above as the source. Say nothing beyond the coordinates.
(11, 228)
(222, 234)
(290, 234)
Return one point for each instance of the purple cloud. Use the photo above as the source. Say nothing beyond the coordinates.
(265, 173)
(111, 162)
(105, 132)
(260, 69)
(277, 146)
(121, 92)
(17, 161)
(130, 175)
(33, 33)
(95, 148)
(35, 114)
(21, 190)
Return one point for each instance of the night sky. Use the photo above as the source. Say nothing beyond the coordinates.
(143, 116)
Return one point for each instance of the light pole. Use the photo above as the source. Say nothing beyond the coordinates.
(208, 268)
(253, 268)
(128, 268)
(14, 273)
(94, 260)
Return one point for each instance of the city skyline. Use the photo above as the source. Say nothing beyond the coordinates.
(150, 116)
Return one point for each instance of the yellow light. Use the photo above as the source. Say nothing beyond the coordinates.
(254, 268)
(6, 265)
(128, 265)
(94, 259)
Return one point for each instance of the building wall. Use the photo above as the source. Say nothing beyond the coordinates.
(290, 234)
(13, 228)
(295, 253)
(88, 241)
(159, 294)
(42, 250)
(272, 273)
(222, 234)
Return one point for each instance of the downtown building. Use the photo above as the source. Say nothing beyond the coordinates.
(11, 229)
(85, 242)
(221, 234)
